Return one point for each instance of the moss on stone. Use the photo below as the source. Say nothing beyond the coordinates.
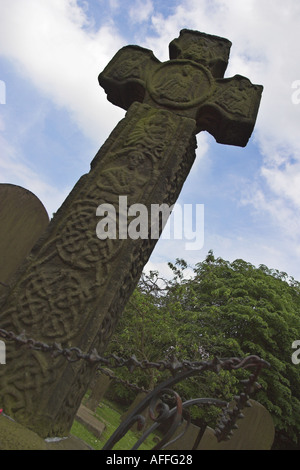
(14, 436)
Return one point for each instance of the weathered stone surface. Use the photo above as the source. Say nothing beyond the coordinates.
(23, 219)
(100, 386)
(191, 84)
(91, 423)
(255, 432)
(188, 440)
(73, 287)
(138, 399)
(14, 436)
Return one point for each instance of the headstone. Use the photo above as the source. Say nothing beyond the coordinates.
(138, 399)
(187, 440)
(74, 286)
(100, 386)
(86, 417)
(255, 432)
(23, 219)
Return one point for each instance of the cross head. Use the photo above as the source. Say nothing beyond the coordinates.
(190, 84)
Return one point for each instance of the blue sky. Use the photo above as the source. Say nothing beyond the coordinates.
(56, 117)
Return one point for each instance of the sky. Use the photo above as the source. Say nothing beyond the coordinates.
(54, 116)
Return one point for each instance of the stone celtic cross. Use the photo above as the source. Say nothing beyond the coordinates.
(73, 287)
(190, 85)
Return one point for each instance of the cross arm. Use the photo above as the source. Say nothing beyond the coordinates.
(230, 113)
(124, 78)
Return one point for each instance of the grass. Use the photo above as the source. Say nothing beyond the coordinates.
(110, 415)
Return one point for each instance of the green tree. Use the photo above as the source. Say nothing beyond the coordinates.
(241, 310)
(146, 330)
(225, 309)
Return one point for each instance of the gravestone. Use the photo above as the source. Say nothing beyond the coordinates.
(73, 286)
(99, 387)
(23, 219)
(187, 440)
(255, 431)
(138, 399)
(86, 417)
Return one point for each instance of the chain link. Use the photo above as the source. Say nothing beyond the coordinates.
(113, 361)
(126, 383)
(228, 418)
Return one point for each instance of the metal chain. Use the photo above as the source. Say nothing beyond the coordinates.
(229, 417)
(112, 361)
(75, 354)
(126, 383)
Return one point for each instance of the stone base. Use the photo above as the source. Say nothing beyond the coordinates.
(14, 436)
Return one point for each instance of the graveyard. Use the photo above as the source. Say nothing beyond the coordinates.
(64, 288)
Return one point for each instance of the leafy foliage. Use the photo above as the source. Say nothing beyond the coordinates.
(225, 309)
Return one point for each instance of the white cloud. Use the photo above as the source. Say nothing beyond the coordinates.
(140, 11)
(14, 169)
(2, 124)
(285, 183)
(50, 45)
(114, 4)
